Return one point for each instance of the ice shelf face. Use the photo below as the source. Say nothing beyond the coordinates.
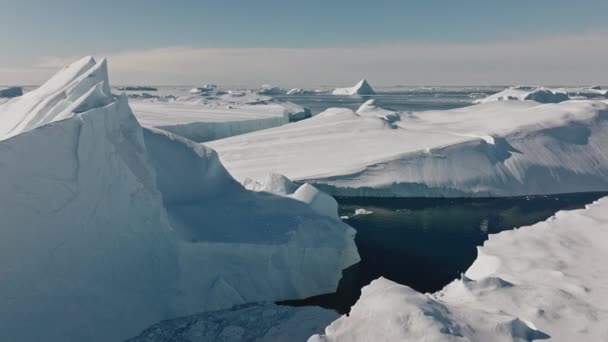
(108, 228)
(546, 281)
(210, 116)
(361, 88)
(499, 148)
(251, 322)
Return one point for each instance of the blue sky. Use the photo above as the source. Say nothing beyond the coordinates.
(38, 30)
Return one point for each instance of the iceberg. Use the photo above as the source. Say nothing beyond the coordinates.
(545, 281)
(299, 91)
(361, 88)
(108, 227)
(268, 89)
(137, 88)
(205, 118)
(541, 95)
(498, 148)
(10, 91)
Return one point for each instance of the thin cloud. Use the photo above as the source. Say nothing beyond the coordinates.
(560, 59)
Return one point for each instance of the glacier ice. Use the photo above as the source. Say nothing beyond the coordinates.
(361, 88)
(533, 283)
(108, 228)
(498, 148)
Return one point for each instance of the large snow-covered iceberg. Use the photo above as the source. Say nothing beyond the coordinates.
(207, 117)
(499, 148)
(361, 88)
(108, 228)
(541, 95)
(546, 281)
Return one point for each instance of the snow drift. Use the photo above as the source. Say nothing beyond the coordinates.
(538, 282)
(361, 88)
(499, 148)
(108, 228)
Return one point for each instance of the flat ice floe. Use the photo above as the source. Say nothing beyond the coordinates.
(210, 116)
(546, 281)
(499, 148)
(108, 227)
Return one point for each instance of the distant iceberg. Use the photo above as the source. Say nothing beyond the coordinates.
(210, 115)
(541, 95)
(361, 88)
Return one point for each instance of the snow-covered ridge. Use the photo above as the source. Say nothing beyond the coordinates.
(541, 95)
(361, 88)
(499, 148)
(546, 281)
(108, 228)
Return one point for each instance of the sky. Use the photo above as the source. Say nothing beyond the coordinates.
(310, 43)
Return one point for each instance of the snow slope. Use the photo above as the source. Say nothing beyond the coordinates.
(361, 88)
(546, 281)
(499, 148)
(208, 117)
(541, 95)
(251, 322)
(108, 228)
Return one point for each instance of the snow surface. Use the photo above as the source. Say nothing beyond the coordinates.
(499, 148)
(11, 91)
(546, 281)
(204, 118)
(541, 95)
(109, 228)
(361, 88)
(251, 322)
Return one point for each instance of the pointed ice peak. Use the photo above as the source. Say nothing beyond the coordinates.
(361, 88)
(373, 108)
(50, 101)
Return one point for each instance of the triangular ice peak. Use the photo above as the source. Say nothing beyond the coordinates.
(55, 99)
